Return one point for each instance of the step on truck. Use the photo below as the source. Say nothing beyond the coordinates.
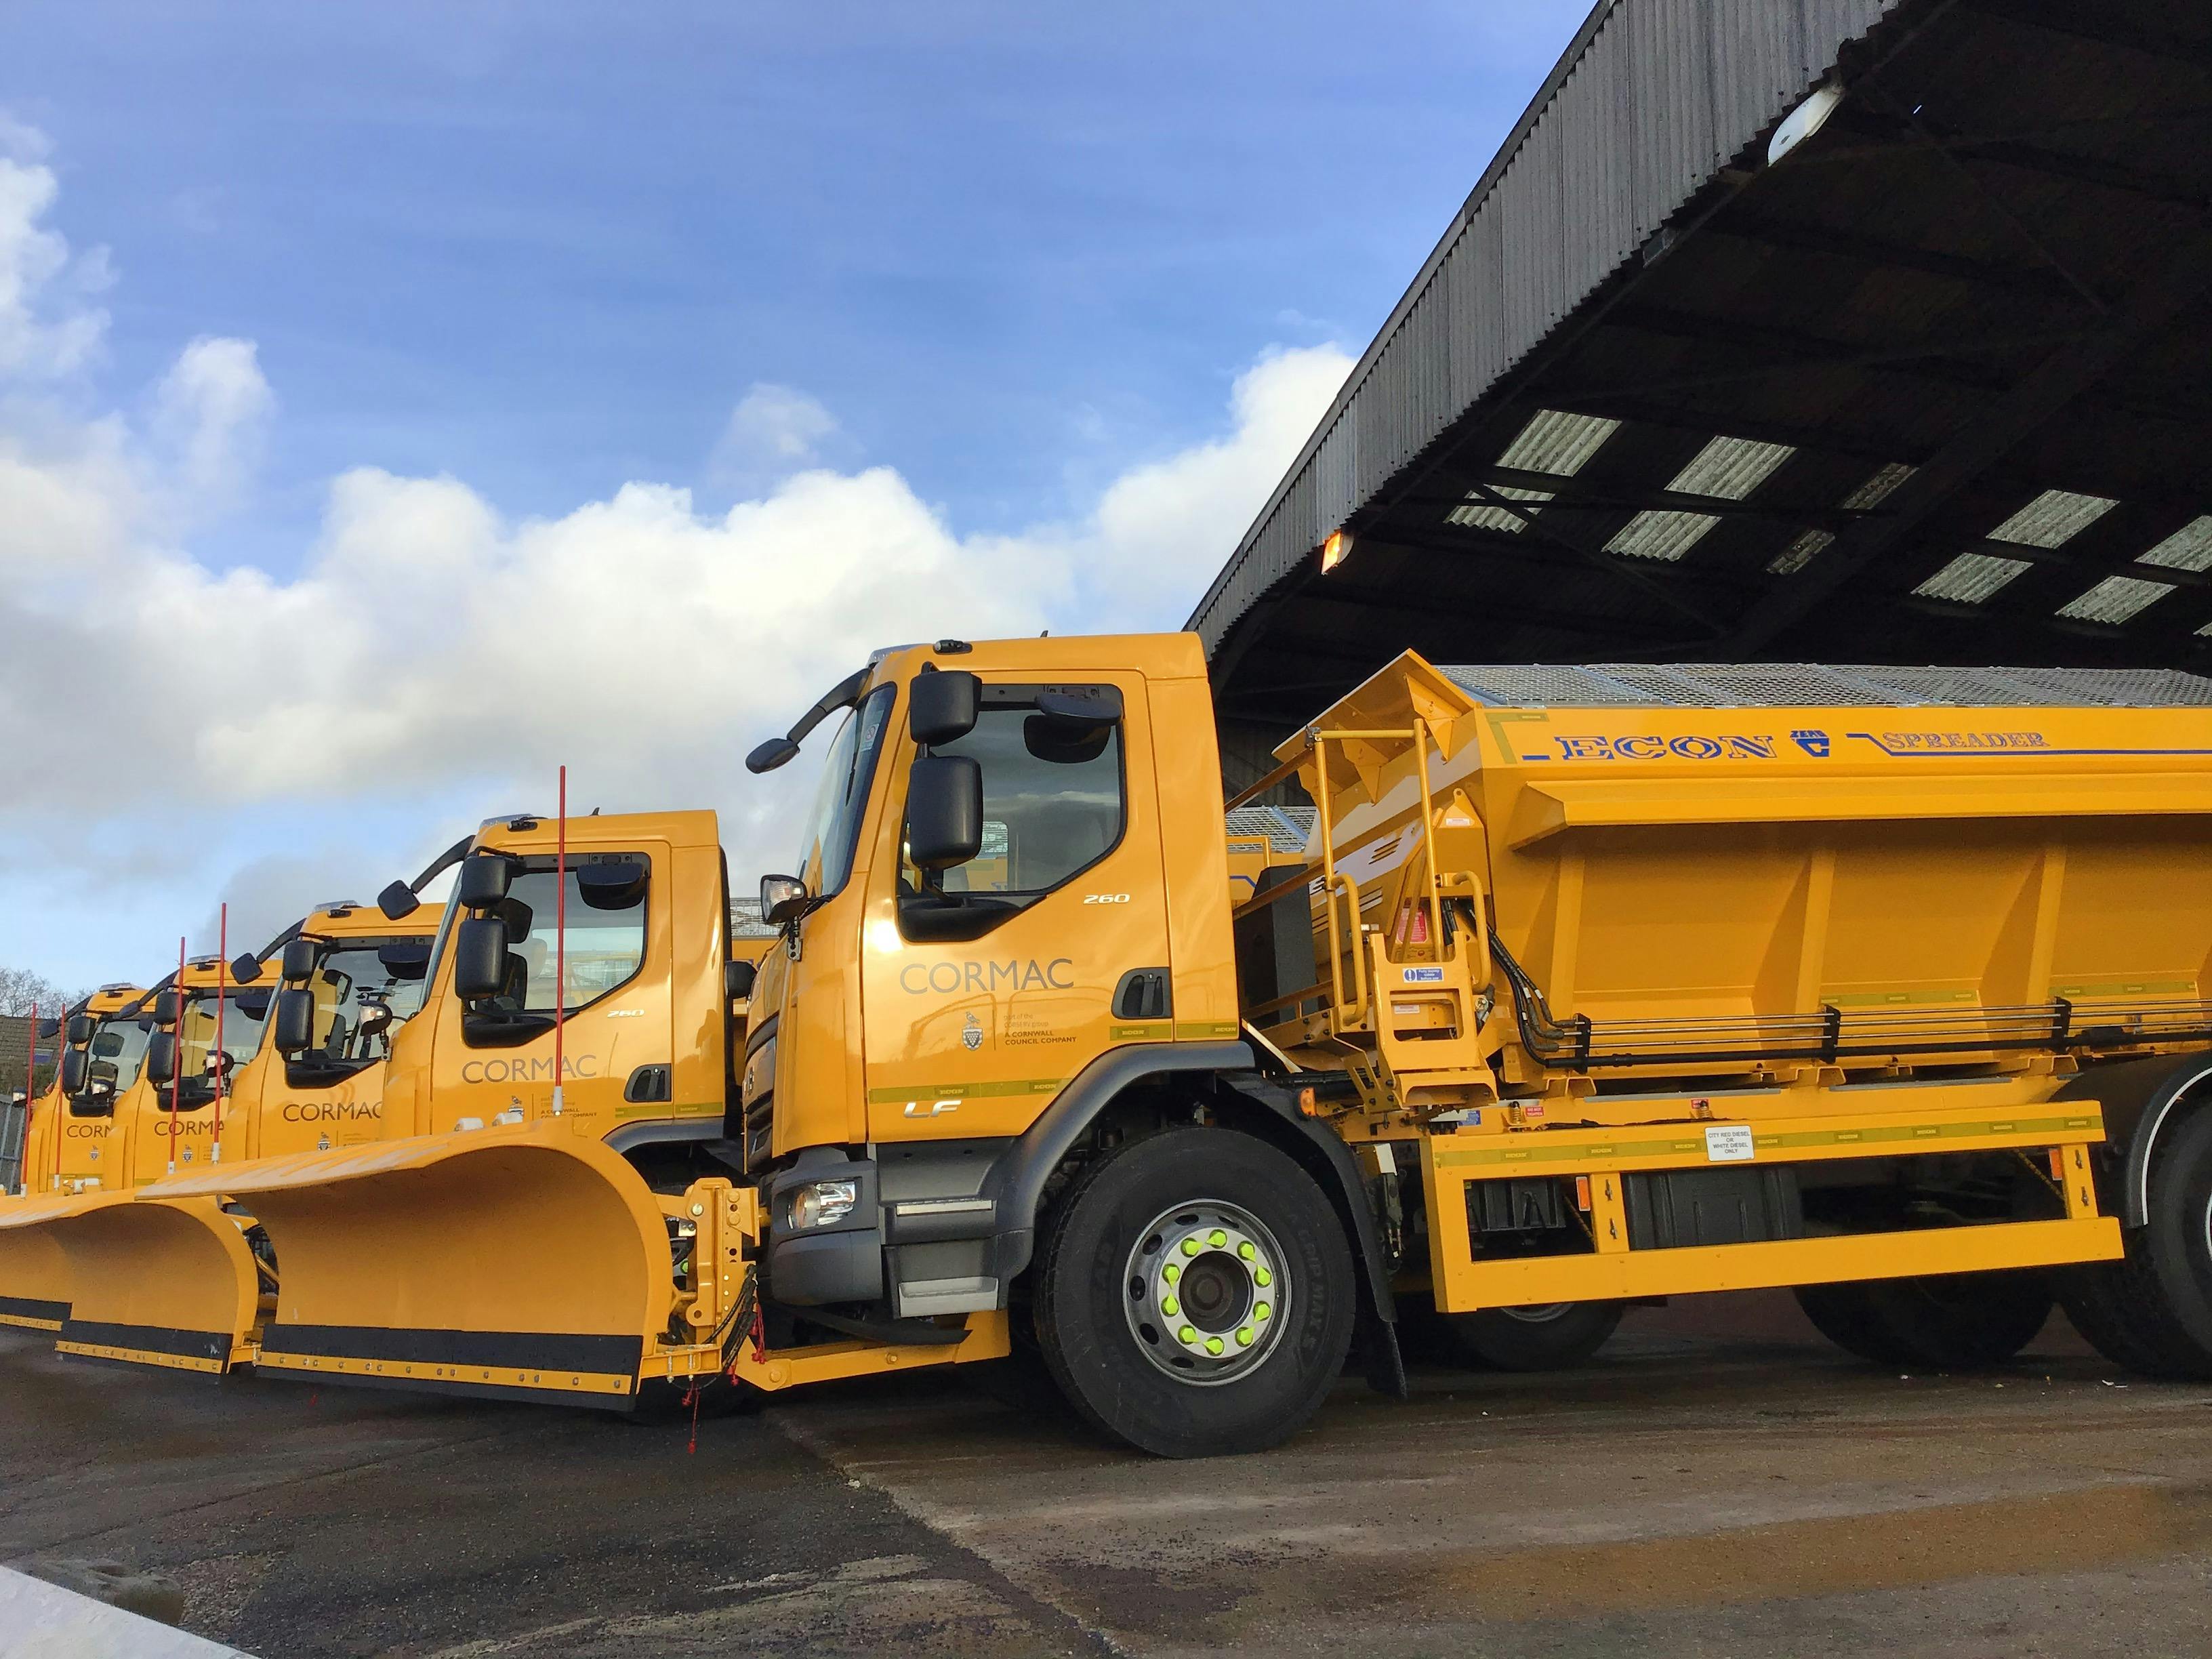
(1590, 986)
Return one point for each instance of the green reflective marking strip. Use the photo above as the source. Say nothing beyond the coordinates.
(1151, 1031)
(1027, 1086)
(627, 1110)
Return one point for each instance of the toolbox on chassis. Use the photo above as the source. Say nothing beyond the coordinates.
(1589, 986)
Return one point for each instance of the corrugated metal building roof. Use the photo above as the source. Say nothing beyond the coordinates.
(1927, 386)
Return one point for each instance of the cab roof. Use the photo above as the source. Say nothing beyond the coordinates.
(530, 834)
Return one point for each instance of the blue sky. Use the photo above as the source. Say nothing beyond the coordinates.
(1073, 280)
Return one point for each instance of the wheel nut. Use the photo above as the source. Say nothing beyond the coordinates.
(1213, 1344)
(1216, 1238)
(1262, 1277)
(1169, 1306)
(1187, 1334)
(1190, 1247)
(1171, 1273)
(1245, 1336)
(1246, 1251)
(1262, 1310)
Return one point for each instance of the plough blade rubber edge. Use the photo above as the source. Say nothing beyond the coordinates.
(167, 1284)
(527, 1263)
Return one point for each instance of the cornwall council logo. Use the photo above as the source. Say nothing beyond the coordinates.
(971, 1034)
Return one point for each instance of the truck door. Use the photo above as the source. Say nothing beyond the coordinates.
(496, 1063)
(983, 999)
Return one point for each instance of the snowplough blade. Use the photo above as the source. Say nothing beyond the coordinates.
(528, 1263)
(34, 1275)
(172, 1285)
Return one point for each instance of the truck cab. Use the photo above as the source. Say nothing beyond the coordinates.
(71, 1140)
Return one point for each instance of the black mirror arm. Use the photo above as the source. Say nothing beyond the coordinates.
(445, 861)
(843, 695)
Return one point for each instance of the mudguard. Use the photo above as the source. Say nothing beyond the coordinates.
(527, 1262)
(34, 1274)
(171, 1284)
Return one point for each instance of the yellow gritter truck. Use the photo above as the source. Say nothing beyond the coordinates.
(1588, 985)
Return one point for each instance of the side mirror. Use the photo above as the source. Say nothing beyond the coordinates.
(767, 756)
(783, 900)
(941, 707)
(614, 884)
(397, 902)
(48, 1030)
(75, 1065)
(161, 1059)
(295, 1021)
(479, 958)
(245, 968)
(168, 1009)
(406, 959)
(945, 812)
(80, 1029)
(298, 963)
(484, 881)
(737, 979)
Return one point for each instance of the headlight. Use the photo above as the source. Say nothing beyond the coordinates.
(820, 1203)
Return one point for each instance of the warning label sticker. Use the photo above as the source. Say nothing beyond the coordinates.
(1728, 1143)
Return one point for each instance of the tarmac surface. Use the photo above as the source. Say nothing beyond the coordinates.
(1718, 1482)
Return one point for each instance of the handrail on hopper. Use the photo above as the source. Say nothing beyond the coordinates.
(1334, 883)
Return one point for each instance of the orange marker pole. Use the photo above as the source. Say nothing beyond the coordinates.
(177, 1058)
(223, 1073)
(560, 935)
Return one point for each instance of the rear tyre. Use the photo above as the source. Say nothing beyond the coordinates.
(2151, 1312)
(1554, 1337)
(1939, 1323)
(1195, 1294)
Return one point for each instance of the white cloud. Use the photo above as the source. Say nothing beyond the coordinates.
(431, 647)
(209, 414)
(36, 270)
(774, 432)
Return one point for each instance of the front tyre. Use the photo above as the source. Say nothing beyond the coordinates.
(1195, 1294)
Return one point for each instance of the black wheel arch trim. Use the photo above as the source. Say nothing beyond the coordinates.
(659, 1130)
(1017, 1181)
(2141, 1099)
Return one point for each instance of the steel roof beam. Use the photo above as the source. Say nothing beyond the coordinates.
(2056, 382)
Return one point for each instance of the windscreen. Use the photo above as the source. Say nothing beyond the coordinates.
(245, 1017)
(833, 827)
(117, 1050)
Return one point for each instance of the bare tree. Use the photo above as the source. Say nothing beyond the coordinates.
(21, 986)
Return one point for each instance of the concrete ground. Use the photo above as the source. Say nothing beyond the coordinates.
(1719, 1482)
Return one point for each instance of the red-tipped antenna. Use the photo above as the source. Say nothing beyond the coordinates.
(177, 1058)
(31, 1092)
(222, 1061)
(560, 933)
